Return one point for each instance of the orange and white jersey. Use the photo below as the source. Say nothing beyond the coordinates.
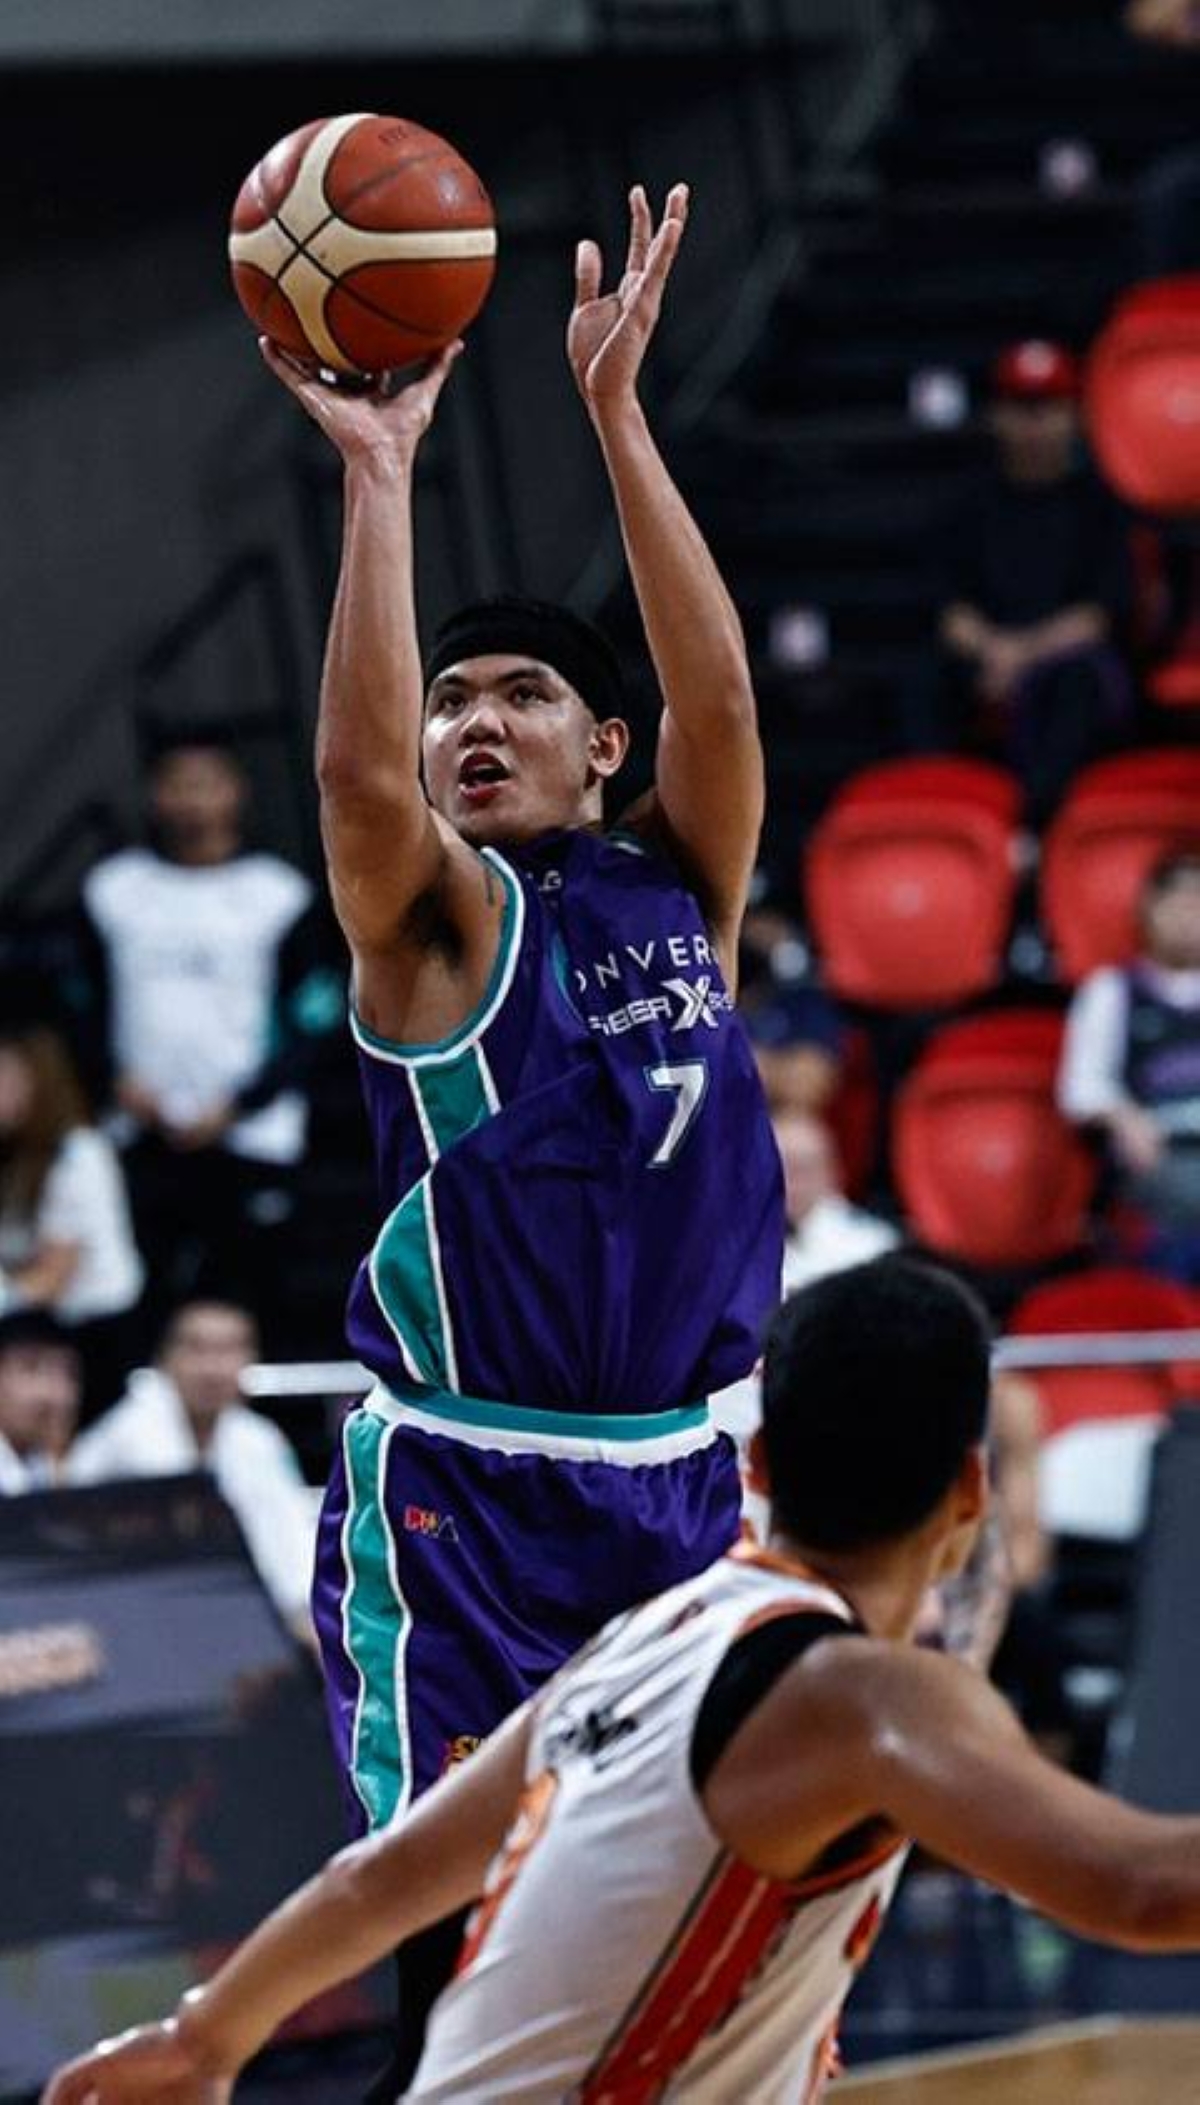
(620, 1952)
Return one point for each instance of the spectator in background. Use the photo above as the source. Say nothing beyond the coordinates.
(39, 1399)
(66, 1241)
(1035, 590)
(826, 1232)
(216, 997)
(1131, 1066)
(186, 1412)
(795, 1029)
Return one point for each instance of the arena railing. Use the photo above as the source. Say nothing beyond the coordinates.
(277, 1381)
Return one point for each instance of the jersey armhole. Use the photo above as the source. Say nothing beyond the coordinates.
(746, 1675)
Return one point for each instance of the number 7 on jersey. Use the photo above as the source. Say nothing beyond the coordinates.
(687, 1080)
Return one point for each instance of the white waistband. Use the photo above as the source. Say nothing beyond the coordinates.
(666, 1434)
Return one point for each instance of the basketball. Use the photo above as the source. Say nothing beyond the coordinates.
(362, 243)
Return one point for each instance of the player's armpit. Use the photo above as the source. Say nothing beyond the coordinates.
(422, 969)
(947, 1761)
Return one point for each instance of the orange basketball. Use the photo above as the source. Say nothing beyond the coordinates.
(362, 243)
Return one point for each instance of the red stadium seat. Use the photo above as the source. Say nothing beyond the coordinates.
(1099, 1423)
(1175, 684)
(909, 877)
(1118, 816)
(1142, 395)
(987, 1169)
(939, 777)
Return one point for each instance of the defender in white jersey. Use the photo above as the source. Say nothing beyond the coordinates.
(681, 1848)
(665, 1964)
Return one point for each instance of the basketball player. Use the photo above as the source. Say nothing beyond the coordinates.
(584, 1225)
(686, 1844)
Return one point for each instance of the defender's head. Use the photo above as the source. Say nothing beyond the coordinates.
(523, 723)
(875, 1396)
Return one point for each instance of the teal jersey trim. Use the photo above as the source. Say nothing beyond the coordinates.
(406, 1274)
(527, 1418)
(376, 1623)
(454, 1097)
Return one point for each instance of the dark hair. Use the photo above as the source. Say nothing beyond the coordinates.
(34, 1327)
(875, 1388)
(513, 624)
(1180, 860)
(163, 742)
(203, 1305)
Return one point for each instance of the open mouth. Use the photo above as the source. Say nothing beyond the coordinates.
(480, 772)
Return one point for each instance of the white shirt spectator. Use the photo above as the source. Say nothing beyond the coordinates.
(20, 1473)
(834, 1233)
(83, 1201)
(148, 1433)
(192, 955)
(1091, 1076)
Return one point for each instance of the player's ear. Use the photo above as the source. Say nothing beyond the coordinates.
(758, 1476)
(971, 1491)
(608, 743)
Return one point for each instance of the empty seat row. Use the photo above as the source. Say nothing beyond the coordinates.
(910, 875)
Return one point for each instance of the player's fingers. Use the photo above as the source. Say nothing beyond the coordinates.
(588, 267)
(663, 250)
(674, 219)
(640, 230)
(434, 377)
(292, 371)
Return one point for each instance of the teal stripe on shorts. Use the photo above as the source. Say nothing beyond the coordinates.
(376, 1623)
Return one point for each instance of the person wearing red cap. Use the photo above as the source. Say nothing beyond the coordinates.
(1034, 587)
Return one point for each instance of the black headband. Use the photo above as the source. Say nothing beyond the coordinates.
(533, 628)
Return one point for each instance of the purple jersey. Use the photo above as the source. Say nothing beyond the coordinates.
(585, 1201)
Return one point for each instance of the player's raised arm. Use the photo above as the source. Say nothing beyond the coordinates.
(383, 843)
(366, 1900)
(710, 770)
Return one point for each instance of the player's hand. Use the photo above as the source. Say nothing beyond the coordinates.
(608, 332)
(388, 414)
(150, 2064)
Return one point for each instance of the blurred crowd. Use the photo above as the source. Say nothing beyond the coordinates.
(157, 1094)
